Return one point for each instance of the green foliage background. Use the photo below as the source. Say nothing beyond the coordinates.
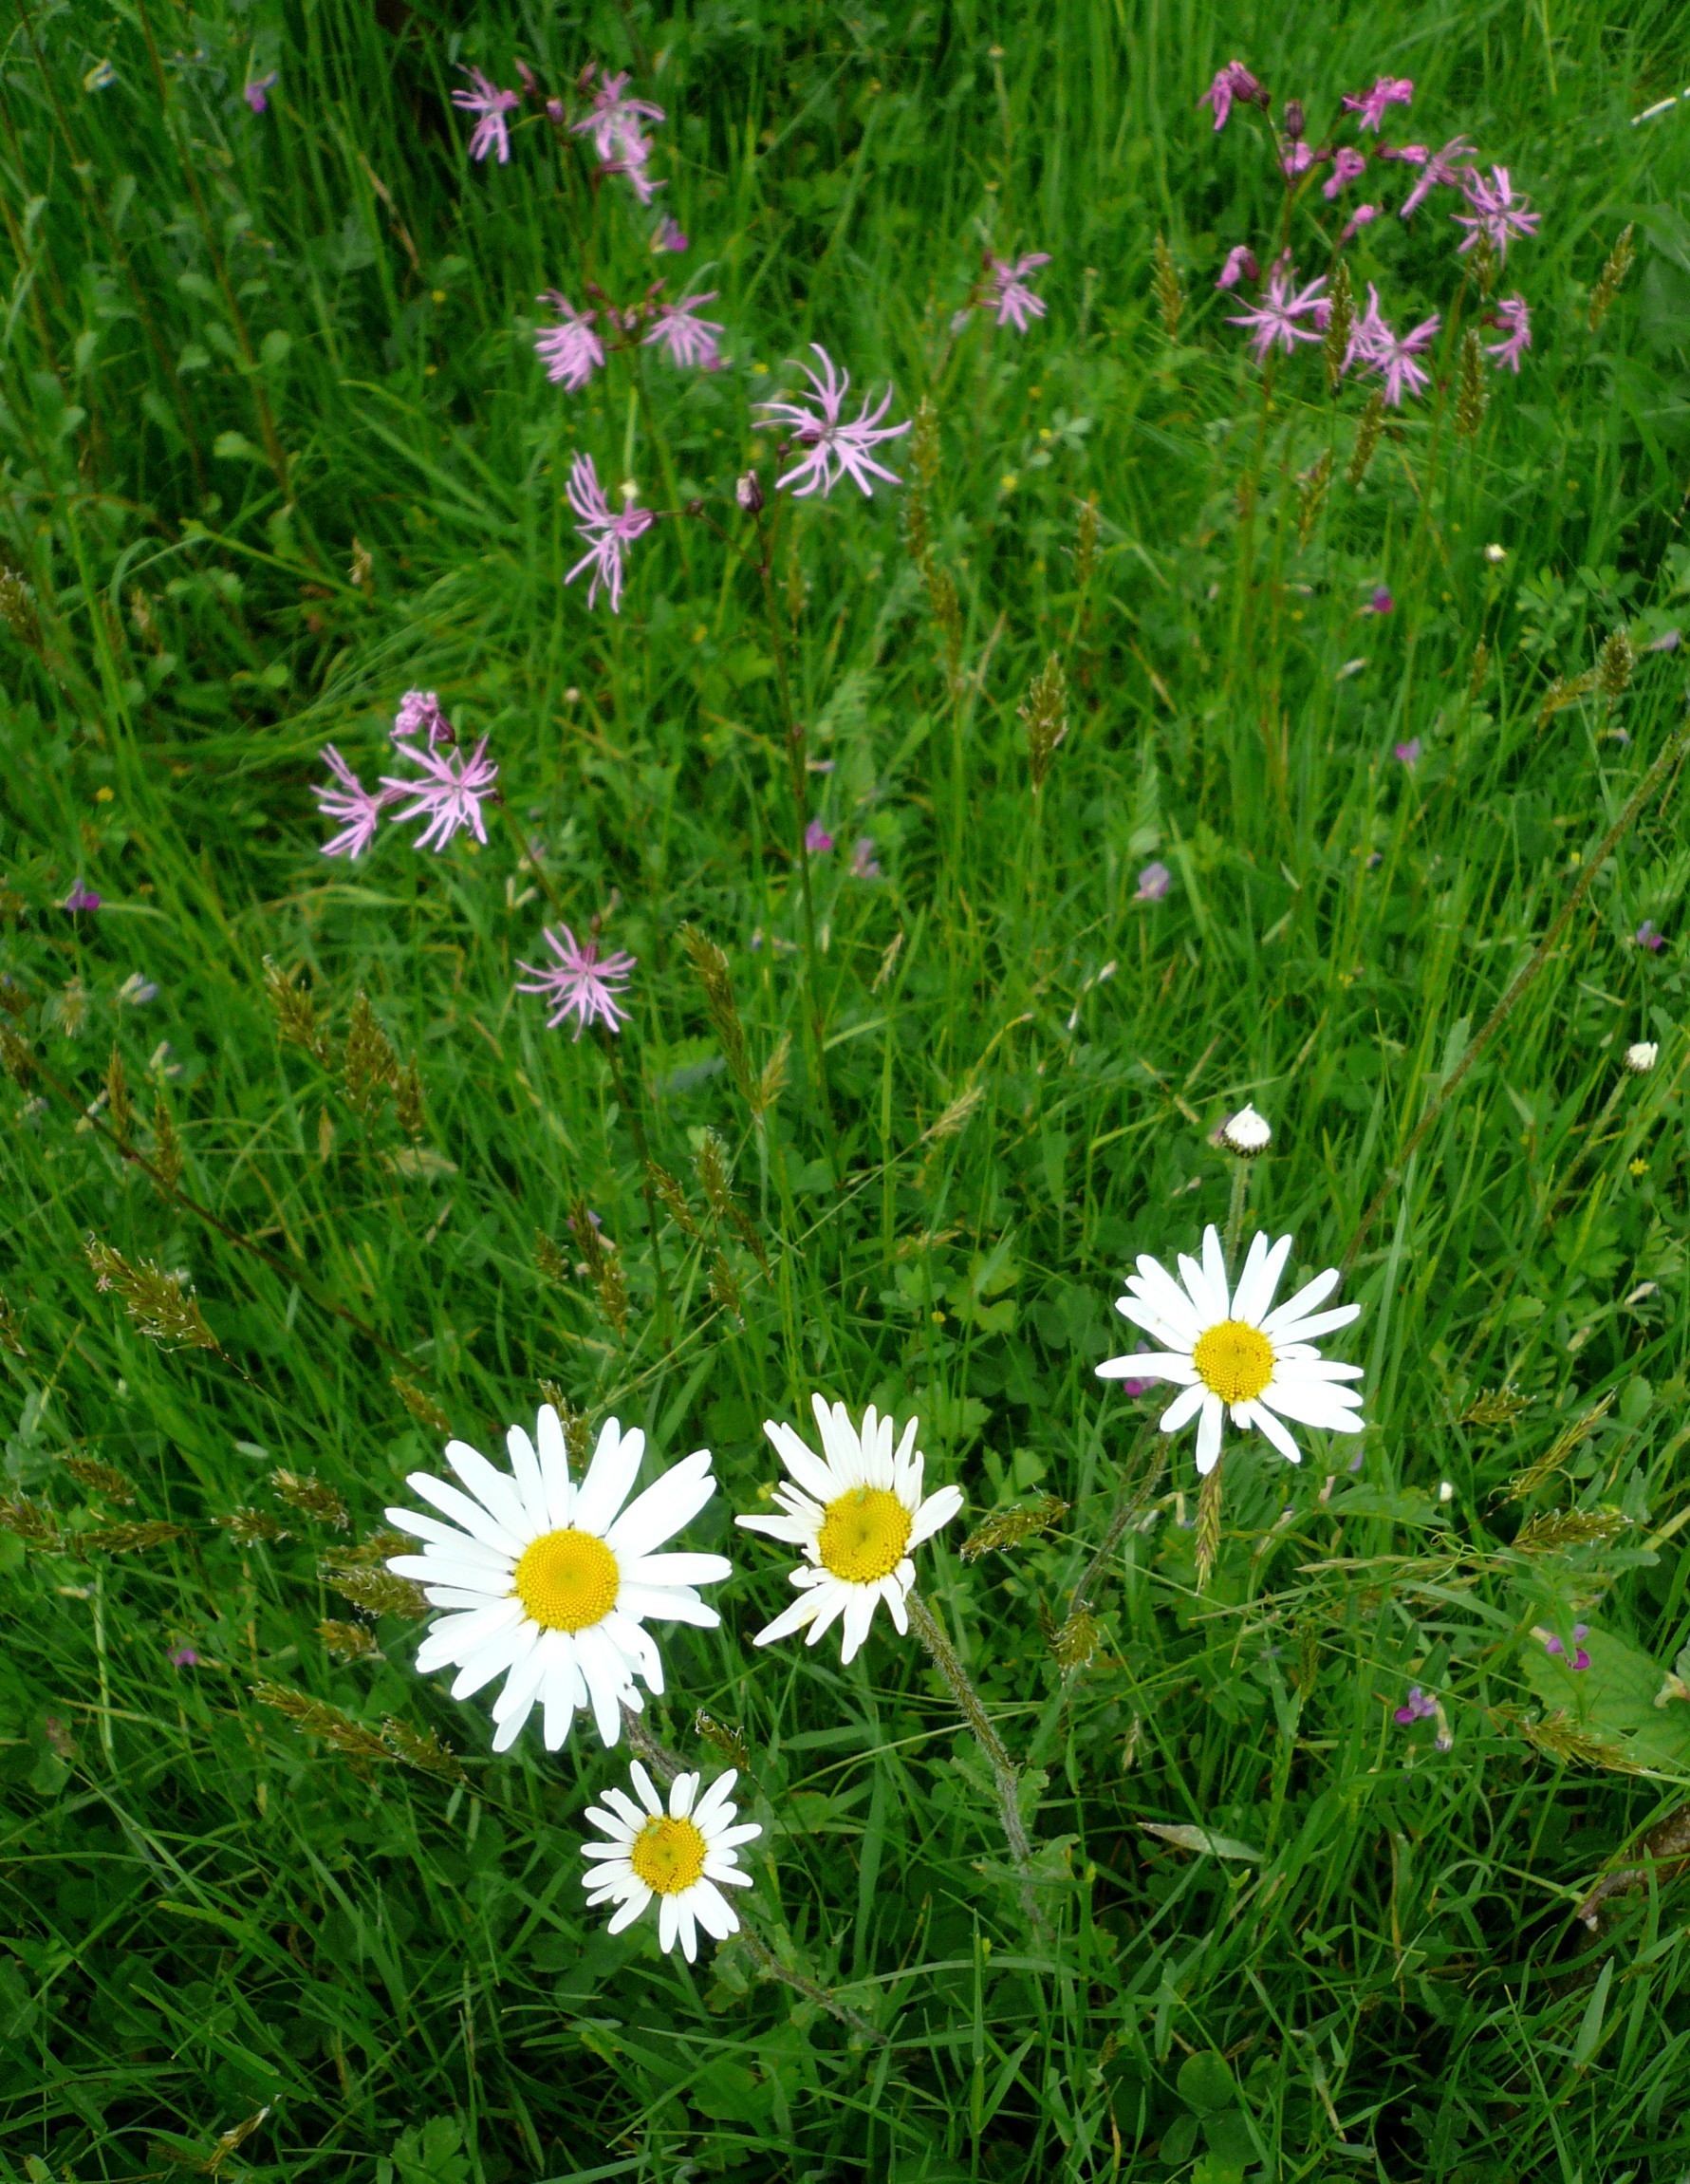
(276, 447)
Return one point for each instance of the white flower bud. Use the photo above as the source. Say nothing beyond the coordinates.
(1494, 554)
(1640, 1059)
(1246, 1133)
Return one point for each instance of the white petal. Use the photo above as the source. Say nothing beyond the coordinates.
(1149, 1365)
(834, 1599)
(794, 1531)
(682, 1790)
(730, 1838)
(802, 1461)
(1311, 1405)
(1183, 1409)
(714, 1802)
(649, 1795)
(637, 1646)
(497, 1493)
(667, 1604)
(1214, 1269)
(893, 1590)
(531, 1482)
(858, 1616)
(658, 1514)
(668, 1923)
(610, 1477)
(712, 1911)
(687, 1926)
(1180, 1335)
(561, 1693)
(449, 1536)
(458, 1596)
(490, 1577)
(1209, 1435)
(1202, 1298)
(631, 1910)
(790, 1620)
(1270, 1430)
(1161, 1291)
(1304, 1301)
(607, 1677)
(511, 1708)
(1293, 1332)
(1263, 1266)
(838, 1442)
(554, 1468)
(467, 1514)
(936, 1511)
(676, 1570)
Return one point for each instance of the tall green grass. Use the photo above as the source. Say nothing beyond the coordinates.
(276, 448)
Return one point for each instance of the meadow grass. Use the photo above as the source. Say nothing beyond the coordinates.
(276, 449)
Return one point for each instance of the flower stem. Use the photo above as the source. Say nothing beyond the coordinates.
(1005, 1773)
(1671, 752)
(642, 1155)
(666, 1765)
(1235, 1217)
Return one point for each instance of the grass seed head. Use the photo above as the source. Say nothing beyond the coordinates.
(253, 1527)
(99, 1479)
(1618, 659)
(1366, 440)
(350, 1641)
(1612, 277)
(1007, 1528)
(316, 1718)
(295, 1011)
(427, 1754)
(18, 611)
(1170, 296)
(710, 967)
(1044, 715)
(378, 1592)
(722, 1738)
(673, 1198)
(158, 1303)
(32, 1523)
(1312, 495)
(1340, 325)
(311, 1498)
(407, 1101)
(119, 1103)
(1086, 542)
(771, 1080)
(128, 1539)
(421, 1405)
(1471, 395)
(370, 1066)
(167, 1150)
(604, 1266)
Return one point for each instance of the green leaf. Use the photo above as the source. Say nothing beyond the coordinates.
(1590, 2031)
(1615, 1697)
(235, 447)
(1202, 1838)
(1206, 2081)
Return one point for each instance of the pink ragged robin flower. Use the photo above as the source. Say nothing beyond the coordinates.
(1369, 107)
(614, 123)
(1240, 266)
(1513, 321)
(687, 338)
(1395, 361)
(669, 236)
(832, 450)
(581, 983)
(1347, 165)
(352, 803)
(633, 164)
(570, 350)
(419, 714)
(1368, 332)
(1298, 161)
(1233, 82)
(1438, 171)
(1009, 296)
(256, 92)
(449, 796)
(1276, 320)
(608, 537)
(1497, 214)
(1356, 222)
(484, 98)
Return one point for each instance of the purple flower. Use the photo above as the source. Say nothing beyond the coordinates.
(1393, 359)
(81, 898)
(816, 839)
(581, 983)
(1134, 1388)
(608, 537)
(351, 802)
(419, 714)
(863, 862)
(1369, 107)
(486, 99)
(1514, 322)
(1013, 301)
(450, 797)
(1552, 1644)
(1240, 266)
(1298, 161)
(1347, 165)
(1153, 882)
(633, 164)
(831, 450)
(1496, 213)
(1276, 318)
(1410, 752)
(614, 123)
(1668, 641)
(1368, 332)
(570, 350)
(1381, 602)
(184, 1657)
(1417, 1707)
(1648, 935)
(1438, 171)
(689, 340)
(1356, 222)
(1233, 82)
(668, 237)
(255, 96)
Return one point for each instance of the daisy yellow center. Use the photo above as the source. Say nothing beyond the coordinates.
(1234, 1361)
(864, 1535)
(568, 1581)
(668, 1856)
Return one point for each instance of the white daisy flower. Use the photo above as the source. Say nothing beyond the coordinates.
(1231, 1351)
(547, 1584)
(684, 1856)
(857, 1511)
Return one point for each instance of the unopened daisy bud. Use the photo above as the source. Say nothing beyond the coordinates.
(1495, 554)
(749, 493)
(1246, 1133)
(1639, 1057)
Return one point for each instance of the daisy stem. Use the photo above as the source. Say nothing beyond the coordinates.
(1004, 1771)
(1672, 750)
(1234, 1217)
(666, 1765)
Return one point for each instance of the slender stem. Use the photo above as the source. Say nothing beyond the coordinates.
(1671, 752)
(1005, 1773)
(175, 1195)
(642, 1153)
(666, 1765)
(1135, 1491)
(1235, 1217)
(796, 776)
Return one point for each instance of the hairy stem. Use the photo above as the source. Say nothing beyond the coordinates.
(1005, 1773)
(1672, 750)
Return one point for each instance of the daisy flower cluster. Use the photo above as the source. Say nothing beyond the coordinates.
(1492, 215)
